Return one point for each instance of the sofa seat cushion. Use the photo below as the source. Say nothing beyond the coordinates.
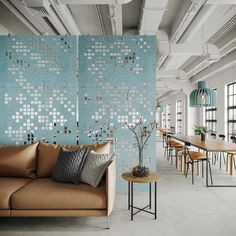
(46, 194)
(48, 154)
(8, 186)
(18, 160)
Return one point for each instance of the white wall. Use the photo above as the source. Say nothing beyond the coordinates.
(220, 82)
(190, 116)
(193, 116)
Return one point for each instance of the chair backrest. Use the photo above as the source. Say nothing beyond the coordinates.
(233, 138)
(187, 144)
(213, 135)
(164, 140)
(222, 136)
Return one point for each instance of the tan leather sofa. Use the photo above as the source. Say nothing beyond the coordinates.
(27, 189)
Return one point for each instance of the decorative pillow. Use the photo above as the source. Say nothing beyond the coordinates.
(95, 167)
(69, 165)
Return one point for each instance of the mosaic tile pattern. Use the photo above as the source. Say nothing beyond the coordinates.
(41, 97)
(37, 89)
(117, 84)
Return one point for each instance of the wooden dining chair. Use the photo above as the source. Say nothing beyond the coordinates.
(231, 156)
(195, 157)
(170, 147)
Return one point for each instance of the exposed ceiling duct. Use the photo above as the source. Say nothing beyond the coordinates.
(185, 22)
(54, 14)
(191, 49)
(151, 16)
(228, 45)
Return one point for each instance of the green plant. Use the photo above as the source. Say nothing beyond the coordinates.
(200, 130)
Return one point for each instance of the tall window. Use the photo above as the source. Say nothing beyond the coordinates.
(168, 116)
(210, 117)
(163, 119)
(179, 111)
(231, 99)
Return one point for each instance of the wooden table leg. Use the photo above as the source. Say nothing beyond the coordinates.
(227, 163)
(231, 165)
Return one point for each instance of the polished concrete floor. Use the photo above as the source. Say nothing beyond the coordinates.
(183, 209)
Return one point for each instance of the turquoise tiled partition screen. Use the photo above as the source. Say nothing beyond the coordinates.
(70, 89)
(117, 77)
(37, 89)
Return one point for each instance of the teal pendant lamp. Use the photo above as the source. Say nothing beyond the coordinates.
(202, 96)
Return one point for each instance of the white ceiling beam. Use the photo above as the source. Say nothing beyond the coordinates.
(151, 16)
(177, 74)
(116, 19)
(88, 2)
(65, 15)
(21, 17)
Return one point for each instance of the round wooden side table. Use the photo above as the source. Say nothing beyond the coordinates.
(152, 178)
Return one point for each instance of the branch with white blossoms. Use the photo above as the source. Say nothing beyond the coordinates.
(141, 131)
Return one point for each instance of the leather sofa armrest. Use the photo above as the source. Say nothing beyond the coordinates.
(111, 186)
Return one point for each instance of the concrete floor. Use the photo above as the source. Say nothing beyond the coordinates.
(183, 209)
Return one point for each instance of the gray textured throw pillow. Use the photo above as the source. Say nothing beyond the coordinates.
(95, 167)
(69, 166)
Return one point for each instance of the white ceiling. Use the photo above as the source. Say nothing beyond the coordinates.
(189, 22)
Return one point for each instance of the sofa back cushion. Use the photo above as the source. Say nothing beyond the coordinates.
(48, 154)
(18, 160)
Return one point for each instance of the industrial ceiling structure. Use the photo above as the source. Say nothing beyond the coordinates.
(195, 38)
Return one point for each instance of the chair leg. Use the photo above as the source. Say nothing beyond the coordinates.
(202, 169)
(227, 162)
(198, 168)
(181, 163)
(176, 158)
(108, 222)
(210, 172)
(220, 160)
(186, 172)
(231, 165)
(192, 172)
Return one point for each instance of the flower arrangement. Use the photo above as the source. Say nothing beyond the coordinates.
(200, 130)
(142, 132)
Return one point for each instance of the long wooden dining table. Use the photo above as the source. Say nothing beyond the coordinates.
(209, 145)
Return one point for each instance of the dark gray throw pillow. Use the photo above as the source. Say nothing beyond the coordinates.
(69, 165)
(94, 168)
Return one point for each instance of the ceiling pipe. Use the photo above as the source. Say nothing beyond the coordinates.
(88, 2)
(115, 12)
